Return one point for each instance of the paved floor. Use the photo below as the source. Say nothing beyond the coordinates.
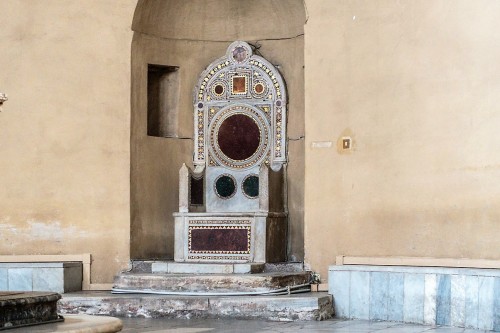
(244, 326)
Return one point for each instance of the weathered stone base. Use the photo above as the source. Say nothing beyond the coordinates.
(210, 283)
(23, 309)
(146, 266)
(309, 306)
(172, 267)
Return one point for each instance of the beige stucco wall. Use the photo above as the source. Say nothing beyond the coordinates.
(64, 132)
(416, 84)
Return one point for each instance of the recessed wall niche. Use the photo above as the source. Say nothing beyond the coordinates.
(163, 100)
(180, 33)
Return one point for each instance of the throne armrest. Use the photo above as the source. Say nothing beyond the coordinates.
(191, 183)
(271, 189)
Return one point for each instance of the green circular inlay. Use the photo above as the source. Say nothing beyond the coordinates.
(225, 186)
(251, 186)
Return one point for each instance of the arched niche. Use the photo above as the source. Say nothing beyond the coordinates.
(173, 43)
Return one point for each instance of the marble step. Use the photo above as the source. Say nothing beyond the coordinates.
(18, 309)
(170, 266)
(308, 306)
(233, 284)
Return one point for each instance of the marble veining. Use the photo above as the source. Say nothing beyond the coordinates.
(430, 299)
(486, 302)
(396, 297)
(414, 298)
(3, 279)
(20, 279)
(48, 279)
(379, 290)
(464, 298)
(457, 306)
(443, 299)
(496, 306)
(359, 295)
(471, 301)
(339, 288)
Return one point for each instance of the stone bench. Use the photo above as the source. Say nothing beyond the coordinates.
(462, 297)
(59, 277)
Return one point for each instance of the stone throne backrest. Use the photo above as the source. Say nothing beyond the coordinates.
(239, 132)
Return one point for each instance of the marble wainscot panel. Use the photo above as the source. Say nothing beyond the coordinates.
(460, 297)
(59, 277)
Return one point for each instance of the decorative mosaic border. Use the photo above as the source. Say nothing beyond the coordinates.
(222, 222)
(212, 258)
(239, 75)
(215, 150)
(270, 73)
(240, 61)
(249, 238)
(213, 71)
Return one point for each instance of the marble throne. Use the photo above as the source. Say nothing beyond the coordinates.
(231, 204)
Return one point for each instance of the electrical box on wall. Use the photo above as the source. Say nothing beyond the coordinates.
(346, 143)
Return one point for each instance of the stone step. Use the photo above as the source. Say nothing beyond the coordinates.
(18, 309)
(210, 283)
(308, 306)
(172, 267)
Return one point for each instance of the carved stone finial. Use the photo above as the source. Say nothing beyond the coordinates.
(3, 98)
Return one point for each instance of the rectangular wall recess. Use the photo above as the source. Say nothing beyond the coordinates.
(163, 100)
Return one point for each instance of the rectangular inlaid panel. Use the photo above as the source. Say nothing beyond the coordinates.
(239, 85)
(219, 239)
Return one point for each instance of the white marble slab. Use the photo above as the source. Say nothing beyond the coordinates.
(461, 297)
(359, 294)
(457, 308)
(414, 289)
(418, 270)
(20, 279)
(4, 281)
(339, 286)
(430, 299)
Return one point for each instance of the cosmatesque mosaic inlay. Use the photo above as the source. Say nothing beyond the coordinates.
(240, 147)
(252, 83)
(219, 239)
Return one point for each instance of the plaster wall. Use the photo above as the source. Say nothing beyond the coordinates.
(64, 132)
(416, 85)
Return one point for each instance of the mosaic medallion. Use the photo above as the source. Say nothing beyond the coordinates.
(250, 186)
(251, 82)
(239, 137)
(225, 186)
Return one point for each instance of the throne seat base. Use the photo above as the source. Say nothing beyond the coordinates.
(230, 238)
(172, 267)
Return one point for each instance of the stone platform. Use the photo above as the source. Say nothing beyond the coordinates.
(204, 284)
(223, 279)
(306, 306)
(18, 309)
(171, 267)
